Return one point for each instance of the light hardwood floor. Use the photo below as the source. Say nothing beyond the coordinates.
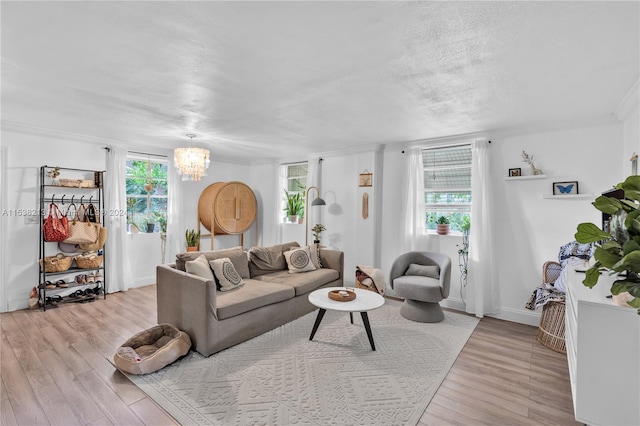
(54, 370)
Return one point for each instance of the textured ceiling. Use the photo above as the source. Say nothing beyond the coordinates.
(263, 80)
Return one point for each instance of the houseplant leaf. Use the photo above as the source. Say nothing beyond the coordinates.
(591, 276)
(608, 258)
(590, 233)
(607, 204)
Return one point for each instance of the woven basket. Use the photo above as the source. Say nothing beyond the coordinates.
(88, 262)
(56, 263)
(551, 330)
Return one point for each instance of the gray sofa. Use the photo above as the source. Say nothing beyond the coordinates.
(269, 298)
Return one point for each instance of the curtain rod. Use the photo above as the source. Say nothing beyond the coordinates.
(106, 148)
(446, 146)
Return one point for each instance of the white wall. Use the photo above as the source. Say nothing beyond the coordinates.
(26, 152)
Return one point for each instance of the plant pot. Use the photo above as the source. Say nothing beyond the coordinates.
(293, 218)
(150, 227)
(193, 248)
(300, 220)
(442, 229)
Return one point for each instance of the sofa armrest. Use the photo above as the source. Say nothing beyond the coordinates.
(333, 259)
(186, 301)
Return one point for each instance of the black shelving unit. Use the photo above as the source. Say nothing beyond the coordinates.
(60, 195)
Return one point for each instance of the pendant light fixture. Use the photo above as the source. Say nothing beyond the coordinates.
(191, 163)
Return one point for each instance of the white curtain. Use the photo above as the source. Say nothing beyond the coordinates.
(414, 235)
(118, 270)
(280, 182)
(175, 215)
(313, 214)
(483, 292)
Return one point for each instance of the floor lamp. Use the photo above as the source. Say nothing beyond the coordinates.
(316, 202)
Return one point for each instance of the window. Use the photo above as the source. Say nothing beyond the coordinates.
(447, 184)
(295, 184)
(147, 193)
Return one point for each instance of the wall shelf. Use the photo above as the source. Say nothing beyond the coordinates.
(525, 177)
(568, 197)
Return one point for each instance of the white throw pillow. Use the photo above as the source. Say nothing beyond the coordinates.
(200, 267)
(226, 273)
(299, 260)
(315, 255)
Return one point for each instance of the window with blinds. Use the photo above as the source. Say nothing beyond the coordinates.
(447, 184)
(296, 177)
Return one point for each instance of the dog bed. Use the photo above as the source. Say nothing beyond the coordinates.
(152, 349)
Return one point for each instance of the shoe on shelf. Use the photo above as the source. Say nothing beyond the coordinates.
(62, 284)
(81, 279)
(91, 278)
(49, 285)
(98, 277)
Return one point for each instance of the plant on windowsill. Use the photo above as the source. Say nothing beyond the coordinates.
(618, 251)
(193, 239)
(294, 206)
(442, 225)
(148, 224)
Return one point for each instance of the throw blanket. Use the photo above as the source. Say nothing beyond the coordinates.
(543, 295)
(370, 278)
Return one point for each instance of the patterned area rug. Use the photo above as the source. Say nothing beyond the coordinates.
(282, 378)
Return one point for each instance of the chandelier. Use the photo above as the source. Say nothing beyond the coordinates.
(191, 163)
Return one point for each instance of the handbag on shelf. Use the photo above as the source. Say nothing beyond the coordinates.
(102, 238)
(83, 232)
(56, 225)
(91, 213)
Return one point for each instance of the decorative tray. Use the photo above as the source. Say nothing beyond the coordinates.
(342, 295)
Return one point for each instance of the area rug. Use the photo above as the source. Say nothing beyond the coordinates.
(282, 378)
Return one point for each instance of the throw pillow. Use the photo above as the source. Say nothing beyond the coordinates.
(226, 274)
(264, 260)
(299, 260)
(200, 267)
(237, 255)
(315, 255)
(431, 271)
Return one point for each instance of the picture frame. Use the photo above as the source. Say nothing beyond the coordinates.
(366, 179)
(515, 172)
(565, 188)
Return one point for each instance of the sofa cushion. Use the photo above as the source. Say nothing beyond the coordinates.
(200, 267)
(431, 271)
(237, 255)
(252, 295)
(263, 260)
(304, 282)
(299, 260)
(419, 288)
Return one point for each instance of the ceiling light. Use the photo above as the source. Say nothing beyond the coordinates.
(191, 163)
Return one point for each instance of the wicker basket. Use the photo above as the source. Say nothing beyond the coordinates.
(58, 263)
(88, 262)
(551, 330)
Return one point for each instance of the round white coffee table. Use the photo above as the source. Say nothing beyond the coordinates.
(366, 300)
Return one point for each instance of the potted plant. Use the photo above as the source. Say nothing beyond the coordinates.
(161, 218)
(148, 224)
(295, 204)
(618, 251)
(317, 230)
(442, 225)
(193, 239)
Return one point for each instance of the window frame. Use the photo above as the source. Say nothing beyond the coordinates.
(149, 210)
(463, 208)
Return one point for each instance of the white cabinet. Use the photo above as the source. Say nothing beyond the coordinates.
(603, 352)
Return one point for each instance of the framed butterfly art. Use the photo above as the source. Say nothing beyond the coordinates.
(565, 188)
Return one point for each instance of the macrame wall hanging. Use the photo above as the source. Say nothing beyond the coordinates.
(365, 205)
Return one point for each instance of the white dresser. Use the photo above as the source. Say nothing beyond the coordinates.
(603, 351)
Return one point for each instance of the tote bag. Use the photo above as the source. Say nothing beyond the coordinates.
(82, 232)
(56, 225)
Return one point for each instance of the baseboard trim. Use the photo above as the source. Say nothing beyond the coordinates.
(519, 316)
